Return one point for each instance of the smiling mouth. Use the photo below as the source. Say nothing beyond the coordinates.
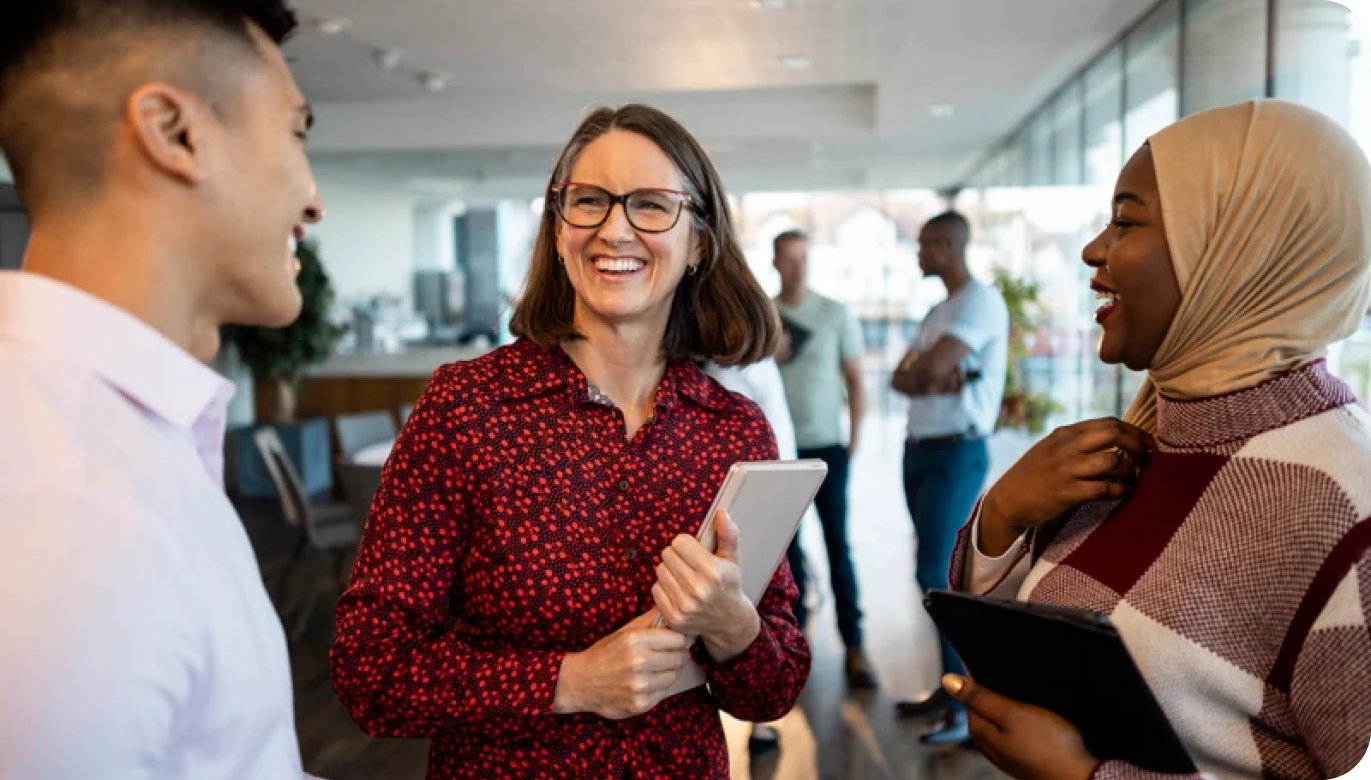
(618, 266)
(1110, 298)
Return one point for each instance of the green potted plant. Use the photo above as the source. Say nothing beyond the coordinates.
(1021, 409)
(277, 358)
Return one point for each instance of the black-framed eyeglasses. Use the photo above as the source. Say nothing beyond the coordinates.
(648, 210)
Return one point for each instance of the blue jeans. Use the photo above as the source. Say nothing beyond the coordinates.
(941, 483)
(831, 503)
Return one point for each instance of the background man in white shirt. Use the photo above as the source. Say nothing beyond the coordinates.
(761, 383)
(157, 145)
(954, 375)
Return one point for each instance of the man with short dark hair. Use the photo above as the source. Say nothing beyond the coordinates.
(821, 366)
(157, 145)
(954, 376)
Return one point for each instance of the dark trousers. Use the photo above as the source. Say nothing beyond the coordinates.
(831, 503)
(941, 482)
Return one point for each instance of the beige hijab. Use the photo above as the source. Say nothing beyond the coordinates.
(1268, 217)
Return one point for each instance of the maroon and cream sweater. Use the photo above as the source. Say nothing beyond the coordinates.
(1238, 574)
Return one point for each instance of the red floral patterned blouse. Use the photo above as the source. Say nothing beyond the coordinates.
(515, 524)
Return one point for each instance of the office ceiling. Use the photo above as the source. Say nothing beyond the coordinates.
(786, 94)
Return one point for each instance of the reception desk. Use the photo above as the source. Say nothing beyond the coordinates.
(350, 384)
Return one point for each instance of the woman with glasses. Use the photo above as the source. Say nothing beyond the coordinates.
(529, 576)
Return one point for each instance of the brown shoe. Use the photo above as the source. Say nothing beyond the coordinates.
(935, 705)
(860, 675)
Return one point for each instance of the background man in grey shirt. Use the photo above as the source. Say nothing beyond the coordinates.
(822, 369)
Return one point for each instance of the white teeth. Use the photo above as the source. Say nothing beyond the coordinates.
(294, 244)
(1106, 295)
(621, 265)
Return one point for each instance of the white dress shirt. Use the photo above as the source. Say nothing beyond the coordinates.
(761, 383)
(1002, 576)
(138, 642)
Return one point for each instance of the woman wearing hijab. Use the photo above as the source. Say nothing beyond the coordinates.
(1224, 527)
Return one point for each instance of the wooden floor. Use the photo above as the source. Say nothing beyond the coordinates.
(831, 736)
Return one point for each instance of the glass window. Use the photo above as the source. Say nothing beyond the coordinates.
(1152, 55)
(999, 165)
(1103, 159)
(1067, 155)
(1317, 47)
(981, 176)
(1104, 119)
(1016, 162)
(1040, 150)
(1005, 174)
(1323, 60)
(1225, 53)
(1035, 235)
(1359, 81)
(985, 173)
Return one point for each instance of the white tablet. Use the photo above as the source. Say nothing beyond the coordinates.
(767, 500)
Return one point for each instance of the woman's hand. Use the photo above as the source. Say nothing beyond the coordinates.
(701, 593)
(625, 674)
(1027, 742)
(1089, 461)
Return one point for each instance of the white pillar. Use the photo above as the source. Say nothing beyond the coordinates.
(435, 236)
(1313, 63)
(1225, 53)
(437, 282)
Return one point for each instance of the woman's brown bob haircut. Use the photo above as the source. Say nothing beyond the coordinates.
(719, 313)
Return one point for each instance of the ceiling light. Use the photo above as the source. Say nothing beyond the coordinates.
(793, 61)
(434, 82)
(940, 111)
(774, 5)
(388, 59)
(333, 26)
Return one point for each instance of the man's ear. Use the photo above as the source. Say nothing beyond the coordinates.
(171, 128)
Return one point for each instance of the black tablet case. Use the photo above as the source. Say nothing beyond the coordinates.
(1070, 662)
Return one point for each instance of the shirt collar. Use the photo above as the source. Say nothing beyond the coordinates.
(1279, 402)
(543, 371)
(696, 385)
(123, 351)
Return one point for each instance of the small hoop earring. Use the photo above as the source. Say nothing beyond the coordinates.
(691, 270)
(561, 260)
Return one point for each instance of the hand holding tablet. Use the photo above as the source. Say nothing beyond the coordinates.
(765, 502)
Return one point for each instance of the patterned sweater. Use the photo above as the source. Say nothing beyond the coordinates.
(1238, 574)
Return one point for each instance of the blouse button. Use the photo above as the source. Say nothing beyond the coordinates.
(631, 555)
(623, 486)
